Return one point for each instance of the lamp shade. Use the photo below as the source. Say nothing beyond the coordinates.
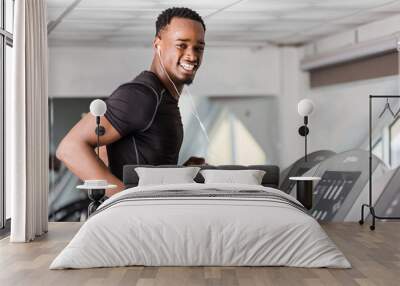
(305, 107)
(98, 107)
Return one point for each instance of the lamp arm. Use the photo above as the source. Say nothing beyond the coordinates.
(305, 145)
(304, 132)
(100, 131)
(98, 136)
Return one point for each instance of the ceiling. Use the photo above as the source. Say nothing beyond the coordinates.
(228, 22)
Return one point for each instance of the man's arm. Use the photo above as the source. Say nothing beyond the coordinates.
(77, 151)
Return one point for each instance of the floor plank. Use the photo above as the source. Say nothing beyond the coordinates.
(375, 257)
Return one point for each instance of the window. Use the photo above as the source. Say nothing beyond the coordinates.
(9, 15)
(377, 149)
(220, 149)
(395, 143)
(232, 143)
(6, 43)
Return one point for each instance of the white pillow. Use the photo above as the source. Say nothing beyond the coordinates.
(162, 176)
(248, 177)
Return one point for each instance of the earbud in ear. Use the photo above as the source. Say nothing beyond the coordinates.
(158, 50)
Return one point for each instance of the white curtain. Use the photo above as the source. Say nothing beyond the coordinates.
(26, 123)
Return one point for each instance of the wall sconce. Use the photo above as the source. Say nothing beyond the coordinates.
(98, 108)
(305, 107)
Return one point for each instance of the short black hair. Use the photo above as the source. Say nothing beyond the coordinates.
(181, 12)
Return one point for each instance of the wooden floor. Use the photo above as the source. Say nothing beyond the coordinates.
(375, 257)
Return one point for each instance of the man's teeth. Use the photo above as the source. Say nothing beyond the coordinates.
(187, 67)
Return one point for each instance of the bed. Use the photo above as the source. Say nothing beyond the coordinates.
(201, 224)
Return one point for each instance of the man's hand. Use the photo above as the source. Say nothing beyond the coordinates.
(195, 161)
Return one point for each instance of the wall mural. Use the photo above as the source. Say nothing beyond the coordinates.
(338, 196)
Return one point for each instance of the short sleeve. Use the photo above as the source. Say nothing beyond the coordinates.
(131, 108)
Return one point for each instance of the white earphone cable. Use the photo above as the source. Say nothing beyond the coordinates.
(165, 71)
(193, 109)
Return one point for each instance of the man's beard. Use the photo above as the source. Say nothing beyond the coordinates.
(188, 81)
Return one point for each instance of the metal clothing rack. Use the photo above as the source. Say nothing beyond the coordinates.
(369, 205)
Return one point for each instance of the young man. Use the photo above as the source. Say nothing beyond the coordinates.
(143, 123)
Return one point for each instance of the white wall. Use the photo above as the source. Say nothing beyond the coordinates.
(94, 72)
(239, 72)
(340, 120)
(371, 33)
(341, 115)
(291, 144)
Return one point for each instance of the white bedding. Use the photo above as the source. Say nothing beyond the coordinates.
(182, 231)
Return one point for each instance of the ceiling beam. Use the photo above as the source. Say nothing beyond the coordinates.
(53, 24)
(222, 9)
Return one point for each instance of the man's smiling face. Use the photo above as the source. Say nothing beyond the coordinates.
(181, 45)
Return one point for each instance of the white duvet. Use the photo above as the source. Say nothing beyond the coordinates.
(185, 231)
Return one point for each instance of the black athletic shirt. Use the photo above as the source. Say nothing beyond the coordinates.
(148, 119)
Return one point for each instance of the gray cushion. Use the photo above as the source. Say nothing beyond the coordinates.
(270, 179)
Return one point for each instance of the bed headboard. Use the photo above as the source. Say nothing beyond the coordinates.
(270, 179)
